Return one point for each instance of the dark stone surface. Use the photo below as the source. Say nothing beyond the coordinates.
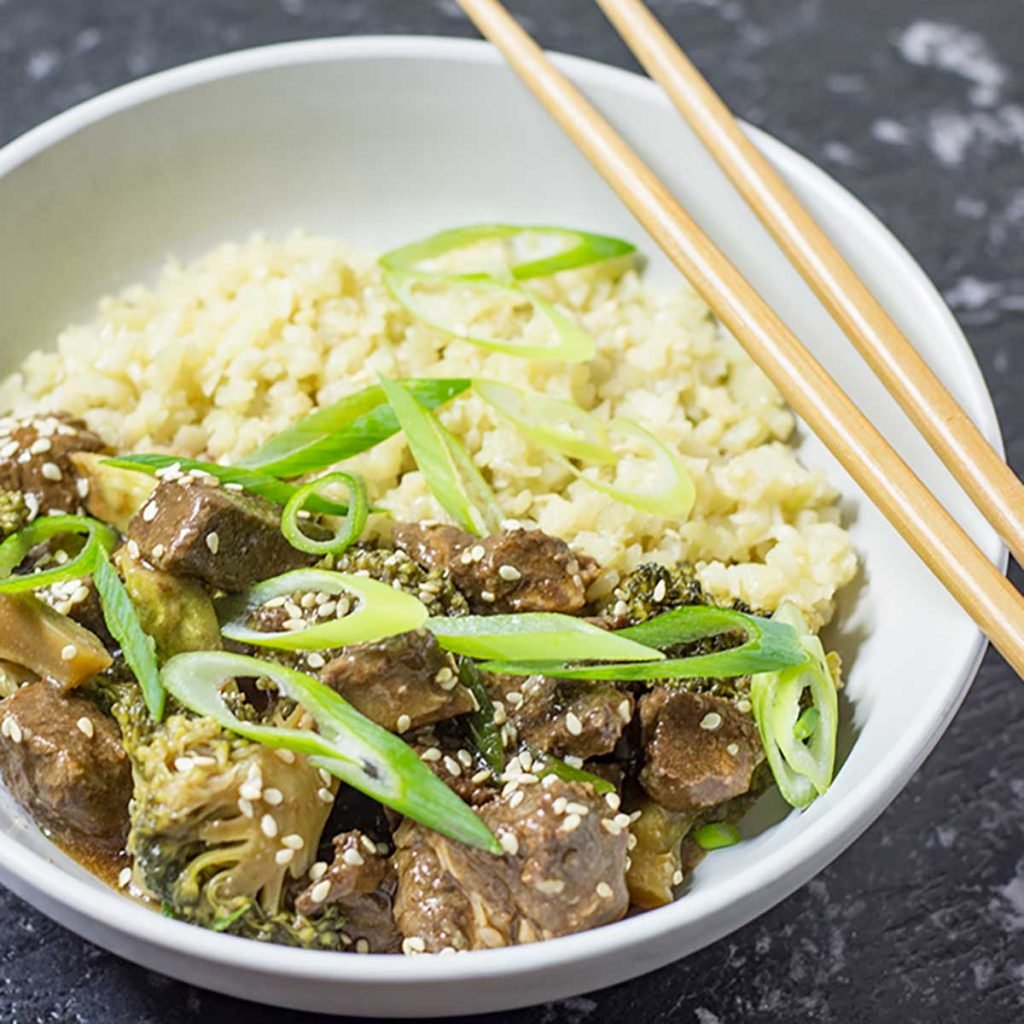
(918, 107)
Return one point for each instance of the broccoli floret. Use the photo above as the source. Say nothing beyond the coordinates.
(206, 842)
(652, 589)
(433, 587)
(14, 514)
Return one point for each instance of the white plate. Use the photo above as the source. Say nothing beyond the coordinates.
(380, 140)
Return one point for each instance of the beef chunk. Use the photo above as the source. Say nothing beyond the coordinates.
(511, 571)
(230, 539)
(402, 682)
(562, 872)
(361, 882)
(63, 760)
(35, 460)
(563, 717)
(448, 756)
(699, 750)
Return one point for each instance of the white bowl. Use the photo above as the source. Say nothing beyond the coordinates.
(380, 140)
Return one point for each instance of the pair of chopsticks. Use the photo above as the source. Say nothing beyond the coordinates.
(983, 592)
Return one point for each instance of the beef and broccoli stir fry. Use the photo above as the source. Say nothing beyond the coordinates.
(431, 740)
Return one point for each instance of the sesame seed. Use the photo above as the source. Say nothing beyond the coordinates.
(51, 471)
(287, 756)
(13, 730)
(611, 826)
(625, 711)
(576, 808)
(82, 486)
(315, 660)
(318, 870)
(293, 841)
(284, 857)
(711, 721)
(273, 796)
(320, 891)
(604, 890)
(509, 842)
(233, 487)
(9, 449)
(124, 877)
(500, 714)
(362, 946)
(481, 776)
(514, 697)
(245, 806)
(68, 652)
(184, 764)
(623, 820)
(465, 758)
(444, 674)
(133, 549)
(677, 878)
(353, 858)
(477, 552)
(733, 749)
(509, 573)
(251, 789)
(453, 766)
(149, 512)
(487, 595)
(80, 593)
(325, 776)
(308, 600)
(570, 823)
(368, 845)
(403, 724)
(549, 886)
(213, 542)
(431, 754)
(613, 801)
(631, 841)
(659, 591)
(268, 825)
(573, 724)
(744, 706)
(85, 727)
(324, 794)
(40, 445)
(573, 761)
(559, 805)
(293, 625)
(412, 945)
(516, 799)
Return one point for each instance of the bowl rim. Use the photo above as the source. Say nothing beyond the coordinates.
(758, 886)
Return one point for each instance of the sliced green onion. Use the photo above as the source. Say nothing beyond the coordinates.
(807, 723)
(547, 334)
(716, 836)
(336, 432)
(769, 645)
(550, 423)
(222, 924)
(253, 481)
(346, 744)
(351, 526)
(99, 537)
(484, 732)
(381, 611)
(572, 249)
(547, 764)
(667, 489)
(535, 635)
(447, 469)
(802, 770)
(136, 644)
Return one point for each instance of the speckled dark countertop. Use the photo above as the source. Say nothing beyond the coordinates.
(918, 107)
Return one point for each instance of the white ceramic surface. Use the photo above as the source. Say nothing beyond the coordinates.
(380, 140)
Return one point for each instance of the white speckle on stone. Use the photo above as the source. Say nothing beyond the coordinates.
(41, 64)
(935, 44)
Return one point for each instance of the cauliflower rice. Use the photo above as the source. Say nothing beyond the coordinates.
(227, 350)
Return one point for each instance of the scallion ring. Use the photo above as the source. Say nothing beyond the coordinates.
(548, 333)
(99, 537)
(380, 611)
(351, 526)
(716, 835)
(346, 744)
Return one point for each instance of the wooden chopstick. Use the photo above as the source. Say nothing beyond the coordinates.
(887, 480)
(969, 457)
